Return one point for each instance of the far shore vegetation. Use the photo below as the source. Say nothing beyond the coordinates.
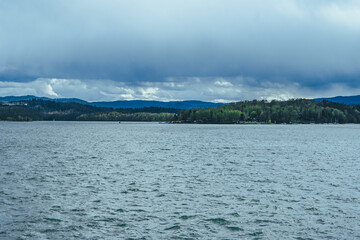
(291, 111)
(245, 112)
(45, 110)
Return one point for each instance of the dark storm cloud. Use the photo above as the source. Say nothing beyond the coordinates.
(310, 44)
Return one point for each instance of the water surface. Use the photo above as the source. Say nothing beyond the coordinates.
(101, 180)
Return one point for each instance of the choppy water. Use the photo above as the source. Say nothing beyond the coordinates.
(86, 180)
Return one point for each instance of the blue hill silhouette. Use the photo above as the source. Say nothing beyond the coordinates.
(121, 104)
(348, 100)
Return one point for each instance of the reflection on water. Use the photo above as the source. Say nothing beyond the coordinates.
(96, 180)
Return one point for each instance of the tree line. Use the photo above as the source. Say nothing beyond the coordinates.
(45, 110)
(291, 111)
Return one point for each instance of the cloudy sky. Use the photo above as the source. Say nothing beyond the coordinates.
(212, 50)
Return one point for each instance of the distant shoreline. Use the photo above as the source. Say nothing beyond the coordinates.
(175, 123)
(294, 111)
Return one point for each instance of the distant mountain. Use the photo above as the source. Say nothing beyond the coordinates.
(142, 104)
(69, 100)
(348, 100)
(30, 97)
(21, 98)
(121, 104)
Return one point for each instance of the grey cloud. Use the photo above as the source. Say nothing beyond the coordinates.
(137, 42)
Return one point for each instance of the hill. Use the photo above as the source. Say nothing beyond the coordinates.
(40, 109)
(121, 104)
(349, 100)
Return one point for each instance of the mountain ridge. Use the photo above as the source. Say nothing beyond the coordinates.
(187, 104)
(348, 100)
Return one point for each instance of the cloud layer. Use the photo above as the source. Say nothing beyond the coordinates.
(206, 89)
(142, 44)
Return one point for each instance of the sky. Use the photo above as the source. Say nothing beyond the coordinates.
(210, 50)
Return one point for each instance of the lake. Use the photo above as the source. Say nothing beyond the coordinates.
(105, 180)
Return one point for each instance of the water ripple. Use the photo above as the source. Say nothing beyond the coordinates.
(96, 180)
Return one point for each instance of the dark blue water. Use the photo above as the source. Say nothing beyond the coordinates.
(84, 180)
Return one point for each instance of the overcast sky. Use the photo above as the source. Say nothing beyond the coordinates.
(213, 50)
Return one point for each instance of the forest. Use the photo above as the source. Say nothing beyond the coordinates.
(291, 111)
(45, 110)
(276, 112)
